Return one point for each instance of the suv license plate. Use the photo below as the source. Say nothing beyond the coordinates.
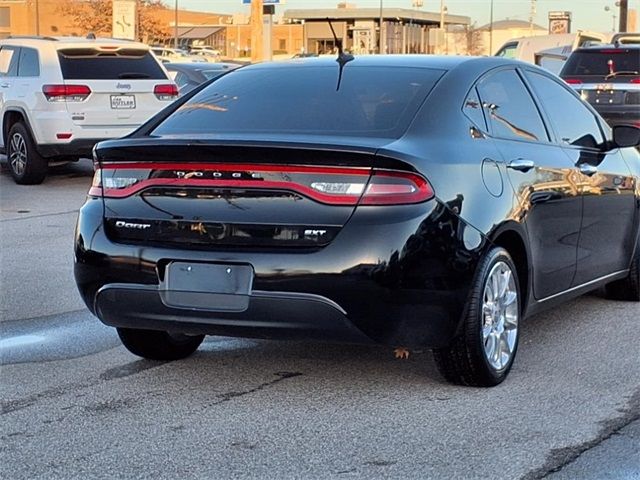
(123, 102)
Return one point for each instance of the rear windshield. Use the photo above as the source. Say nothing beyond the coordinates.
(596, 62)
(87, 64)
(371, 101)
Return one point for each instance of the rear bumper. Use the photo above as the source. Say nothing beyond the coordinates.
(619, 115)
(76, 148)
(393, 275)
(283, 315)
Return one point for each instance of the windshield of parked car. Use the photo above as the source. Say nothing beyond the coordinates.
(596, 62)
(371, 101)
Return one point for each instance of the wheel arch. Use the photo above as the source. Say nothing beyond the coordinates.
(11, 116)
(512, 237)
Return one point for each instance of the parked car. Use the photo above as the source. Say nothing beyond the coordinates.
(206, 51)
(411, 201)
(61, 95)
(189, 75)
(166, 55)
(608, 77)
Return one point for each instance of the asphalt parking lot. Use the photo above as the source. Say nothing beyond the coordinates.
(76, 404)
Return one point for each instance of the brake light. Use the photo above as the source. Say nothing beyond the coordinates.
(328, 185)
(573, 81)
(635, 80)
(66, 93)
(167, 91)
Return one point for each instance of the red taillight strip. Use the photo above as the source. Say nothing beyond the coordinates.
(237, 184)
(379, 190)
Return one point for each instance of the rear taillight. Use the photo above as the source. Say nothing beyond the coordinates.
(635, 80)
(167, 91)
(329, 185)
(572, 81)
(66, 93)
(396, 188)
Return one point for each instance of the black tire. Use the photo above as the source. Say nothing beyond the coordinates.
(627, 288)
(26, 165)
(158, 345)
(464, 361)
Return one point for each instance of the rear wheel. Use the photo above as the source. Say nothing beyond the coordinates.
(627, 288)
(158, 345)
(26, 165)
(482, 354)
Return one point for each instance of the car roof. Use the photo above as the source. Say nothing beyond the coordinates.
(200, 66)
(605, 46)
(63, 42)
(424, 61)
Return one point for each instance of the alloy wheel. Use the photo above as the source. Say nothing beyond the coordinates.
(500, 313)
(18, 155)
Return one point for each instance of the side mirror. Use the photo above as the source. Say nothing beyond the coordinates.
(626, 136)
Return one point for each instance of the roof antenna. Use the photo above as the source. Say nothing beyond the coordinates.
(343, 58)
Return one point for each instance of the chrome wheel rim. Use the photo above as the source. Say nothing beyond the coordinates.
(18, 155)
(500, 316)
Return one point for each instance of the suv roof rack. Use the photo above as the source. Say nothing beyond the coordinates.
(627, 38)
(32, 37)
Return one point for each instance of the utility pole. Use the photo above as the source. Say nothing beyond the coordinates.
(175, 26)
(532, 16)
(624, 14)
(381, 46)
(37, 17)
(491, 29)
(257, 47)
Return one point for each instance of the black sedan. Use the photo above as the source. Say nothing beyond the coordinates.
(411, 201)
(189, 75)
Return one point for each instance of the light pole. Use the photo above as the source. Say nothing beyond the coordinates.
(491, 29)
(37, 17)
(380, 37)
(175, 26)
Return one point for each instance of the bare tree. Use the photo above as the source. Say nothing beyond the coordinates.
(95, 16)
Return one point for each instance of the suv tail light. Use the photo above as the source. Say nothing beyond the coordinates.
(328, 185)
(66, 93)
(572, 81)
(167, 91)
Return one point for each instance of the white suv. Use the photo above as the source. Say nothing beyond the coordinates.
(59, 96)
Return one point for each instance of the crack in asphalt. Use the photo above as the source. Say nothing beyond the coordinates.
(40, 215)
(226, 397)
(559, 458)
(9, 406)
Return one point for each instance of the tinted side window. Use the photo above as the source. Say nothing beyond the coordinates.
(9, 61)
(472, 108)
(29, 63)
(570, 118)
(508, 51)
(511, 112)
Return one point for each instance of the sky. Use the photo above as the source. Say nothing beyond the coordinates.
(587, 14)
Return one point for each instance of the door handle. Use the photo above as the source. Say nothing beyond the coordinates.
(588, 169)
(521, 165)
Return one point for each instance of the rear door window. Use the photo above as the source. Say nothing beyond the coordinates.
(91, 64)
(571, 119)
(9, 61)
(29, 65)
(509, 108)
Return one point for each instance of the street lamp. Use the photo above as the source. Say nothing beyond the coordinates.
(607, 8)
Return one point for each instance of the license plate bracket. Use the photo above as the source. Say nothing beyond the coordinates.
(207, 286)
(123, 102)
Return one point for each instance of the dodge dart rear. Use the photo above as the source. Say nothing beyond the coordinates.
(312, 200)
